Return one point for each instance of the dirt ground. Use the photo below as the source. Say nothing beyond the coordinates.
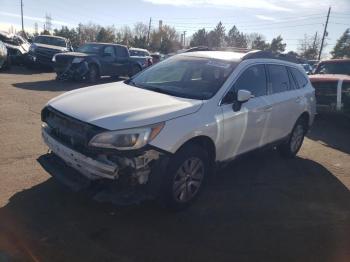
(260, 208)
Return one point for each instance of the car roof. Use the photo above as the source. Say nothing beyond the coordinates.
(231, 56)
(220, 55)
(98, 43)
(336, 60)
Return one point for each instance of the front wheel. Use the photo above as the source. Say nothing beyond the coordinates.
(184, 177)
(93, 74)
(292, 146)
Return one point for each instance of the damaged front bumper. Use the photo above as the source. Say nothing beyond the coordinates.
(87, 166)
(136, 168)
(72, 71)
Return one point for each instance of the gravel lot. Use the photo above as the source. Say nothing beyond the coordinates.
(261, 208)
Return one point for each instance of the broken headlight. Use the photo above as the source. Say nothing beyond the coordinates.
(127, 139)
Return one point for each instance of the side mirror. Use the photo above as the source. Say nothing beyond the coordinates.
(106, 55)
(243, 95)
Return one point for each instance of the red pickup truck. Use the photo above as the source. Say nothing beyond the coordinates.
(331, 81)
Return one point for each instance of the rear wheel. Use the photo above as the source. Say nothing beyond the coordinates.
(7, 64)
(184, 177)
(292, 146)
(93, 74)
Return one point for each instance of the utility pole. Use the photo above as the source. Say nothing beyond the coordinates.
(22, 15)
(314, 44)
(324, 34)
(184, 38)
(149, 29)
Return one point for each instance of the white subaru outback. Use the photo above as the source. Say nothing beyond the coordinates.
(169, 126)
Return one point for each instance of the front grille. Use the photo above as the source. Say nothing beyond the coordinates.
(69, 131)
(45, 55)
(326, 93)
(63, 60)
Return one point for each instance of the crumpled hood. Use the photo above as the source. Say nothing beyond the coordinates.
(120, 106)
(75, 54)
(53, 47)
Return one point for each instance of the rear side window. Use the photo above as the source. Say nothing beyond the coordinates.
(278, 78)
(292, 80)
(299, 77)
(253, 79)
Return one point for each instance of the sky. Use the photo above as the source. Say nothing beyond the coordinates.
(291, 19)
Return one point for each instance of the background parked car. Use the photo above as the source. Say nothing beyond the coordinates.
(93, 60)
(142, 56)
(17, 46)
(307, 68)
(44, 47)
(157, 57)
(332, 85)
(4, 59)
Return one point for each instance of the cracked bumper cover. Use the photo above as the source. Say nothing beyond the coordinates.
(72, 70)
(101, 167)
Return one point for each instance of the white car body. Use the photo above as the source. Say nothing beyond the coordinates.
(261, 121)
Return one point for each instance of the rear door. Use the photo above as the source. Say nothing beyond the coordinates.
(285, 99)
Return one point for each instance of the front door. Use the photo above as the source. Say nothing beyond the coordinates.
(108, 61)
(247, 128)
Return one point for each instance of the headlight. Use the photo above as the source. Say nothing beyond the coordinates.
(126, 139)
(77, 60)
(54, 58)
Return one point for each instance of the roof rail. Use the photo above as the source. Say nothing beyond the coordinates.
(270, 55)
(235, 49)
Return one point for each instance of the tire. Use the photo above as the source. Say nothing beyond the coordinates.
(184, 177)
(134, 70)
(93, 75)
(7, 65)
(292, 146)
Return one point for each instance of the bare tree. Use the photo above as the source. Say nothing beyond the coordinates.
(309, 47)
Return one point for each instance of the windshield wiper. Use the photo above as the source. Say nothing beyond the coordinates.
(159, 90)
(131, 82)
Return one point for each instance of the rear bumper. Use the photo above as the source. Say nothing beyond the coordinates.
(90, 168)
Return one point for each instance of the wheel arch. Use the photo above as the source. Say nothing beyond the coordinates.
(305, 117)
(205, 142)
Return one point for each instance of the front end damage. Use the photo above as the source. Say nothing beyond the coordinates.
(128, 172)
(75, 71)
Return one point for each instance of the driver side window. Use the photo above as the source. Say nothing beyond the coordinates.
(253, 79)
(109, 50)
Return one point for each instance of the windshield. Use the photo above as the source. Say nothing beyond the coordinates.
(138, 53)
(185, 76)
(50, 41)
(342, 68)
(90, 48)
